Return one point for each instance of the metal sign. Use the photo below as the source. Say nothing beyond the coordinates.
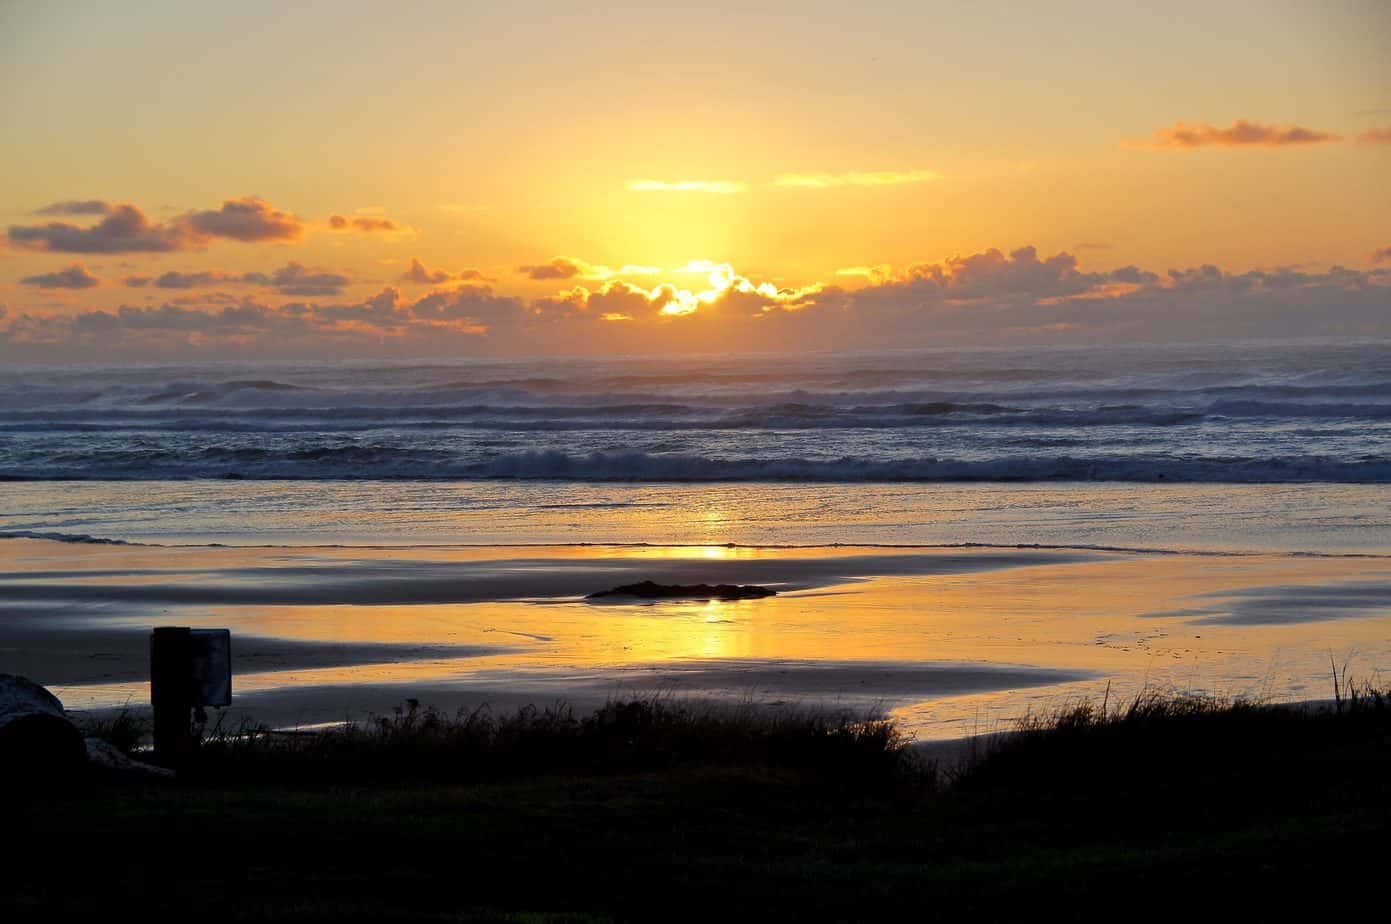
(210, 667)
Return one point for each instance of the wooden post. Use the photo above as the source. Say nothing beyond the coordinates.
(171, 693)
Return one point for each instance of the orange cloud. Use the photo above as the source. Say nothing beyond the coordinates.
(1241, 133)
(1375, 136)
(872, 178)
(724, 287)
(575, 268)
(705, 186)
(880, 272)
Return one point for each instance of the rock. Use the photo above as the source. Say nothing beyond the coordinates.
(650, 590)
(37, 740)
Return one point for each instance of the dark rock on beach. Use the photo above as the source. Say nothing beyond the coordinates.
(651, 590)
(36, 738)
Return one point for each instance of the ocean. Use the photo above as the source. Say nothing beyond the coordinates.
(1251, 415)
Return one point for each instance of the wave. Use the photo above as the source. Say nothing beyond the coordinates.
(384, 462)
(805, 414)
(79, 538)
(195, 392)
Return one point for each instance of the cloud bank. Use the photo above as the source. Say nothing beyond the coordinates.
(987, 298)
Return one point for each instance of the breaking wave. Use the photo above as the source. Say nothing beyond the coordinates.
(388, 463)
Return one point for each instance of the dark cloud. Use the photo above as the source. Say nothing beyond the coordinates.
(420, 274)
(559, 268)
(124, 229)
(177, 280)
(248, 219)
(295, 279)
(367, 223)
(291, 279)
(1240, 133)
(474, 304)
(1382, 256)
(74, 277)
(75, 207)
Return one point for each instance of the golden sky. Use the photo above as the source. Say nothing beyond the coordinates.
(344, 178)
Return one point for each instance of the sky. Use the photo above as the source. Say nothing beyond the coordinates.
(324, 180)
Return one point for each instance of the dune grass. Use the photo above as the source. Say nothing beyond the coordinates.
(1160, 806)
(419, 743)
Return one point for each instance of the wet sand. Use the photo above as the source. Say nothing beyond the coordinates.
(951, 641)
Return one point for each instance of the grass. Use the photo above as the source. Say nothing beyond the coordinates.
(124, 728)
(1159, 806)
(419, 744)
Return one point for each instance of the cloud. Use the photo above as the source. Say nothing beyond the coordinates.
(725, 291)
(296, 279)
(421, 275)
(1241, 133)
(368, 223)
(1375, 136)
(75, 207)
(248, 219)
(125, 228)
(705, 186)
(291, 279)
(559, 268)
(878, 273)
(475, 306)
(874, 178)
(1382, 256)
(575, 268)
(988, 298)
(74, 277)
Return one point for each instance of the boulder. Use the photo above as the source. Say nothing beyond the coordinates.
(37, 740)
(651, 590)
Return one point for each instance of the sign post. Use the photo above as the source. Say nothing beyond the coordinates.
(189, 669)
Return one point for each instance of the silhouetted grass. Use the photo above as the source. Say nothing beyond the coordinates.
(655, 810)
(125, 729)
(419, 743)
(1159, 754)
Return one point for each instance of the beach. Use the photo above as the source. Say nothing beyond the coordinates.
(950, 640)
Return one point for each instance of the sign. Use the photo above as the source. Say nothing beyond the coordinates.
(210, 667)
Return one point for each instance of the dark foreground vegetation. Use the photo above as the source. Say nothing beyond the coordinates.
(653, 810)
